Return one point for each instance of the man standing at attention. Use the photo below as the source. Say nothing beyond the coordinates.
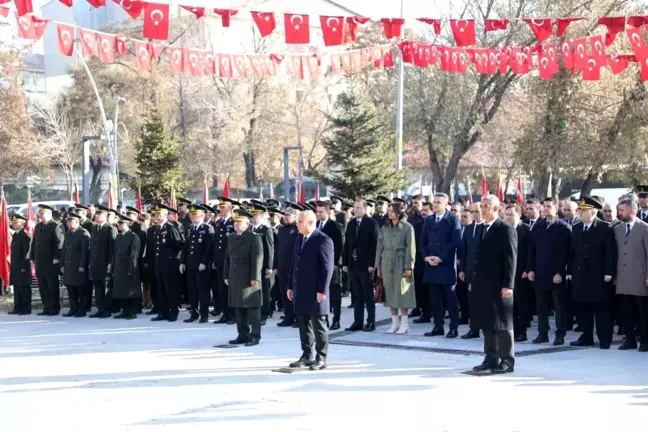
(20, 274)
(102, 244)
(334, 231)
(440, 239)
(310, 278)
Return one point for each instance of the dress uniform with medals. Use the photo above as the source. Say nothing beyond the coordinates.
(642, 193)
(243, 264)
(182, 280)
(223, 227)
(267, 238)
(20, 274)
(102, 243)
(125, 269)
(149, 264)
(74, 263)
(45, 251)
(196, 263)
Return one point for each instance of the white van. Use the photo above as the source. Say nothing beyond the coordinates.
(60, 206)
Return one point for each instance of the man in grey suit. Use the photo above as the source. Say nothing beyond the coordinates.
(632, 274)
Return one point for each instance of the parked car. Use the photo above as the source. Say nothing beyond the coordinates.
(61, 206)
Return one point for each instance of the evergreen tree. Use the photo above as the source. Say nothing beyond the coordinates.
(158, 161)
(359, 154)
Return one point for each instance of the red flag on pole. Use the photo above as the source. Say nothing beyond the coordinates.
(226, 189)
(138, 204)
(302, 196)
(5, 244)
(500, 191)
(484, 184)
(520, 192)
(110, 196)
(172, 198)
(421, 187)
(31, 217)
(317, 193)
(76, 193)
(205, 192)
(470, 198)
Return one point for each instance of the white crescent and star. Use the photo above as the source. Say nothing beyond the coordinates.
(592, 64)
(143, 53)
(154, 13)
(544, 62)
(598, 46)
(105, 47)
(539, 23)
(337, 23)
(636, 39)
(460, 27)
(24, 22)
(580, 49)
(177, 56)
(292, 21)
(65, 36)
(193, 58)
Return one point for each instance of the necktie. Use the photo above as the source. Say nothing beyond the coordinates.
(303, 242)
(586, 228)
(485, 230)
(627, 229)
(438, 219)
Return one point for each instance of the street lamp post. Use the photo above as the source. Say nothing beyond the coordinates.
(286, 181)
(399, 107)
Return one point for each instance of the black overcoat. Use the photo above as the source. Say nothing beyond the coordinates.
(76, 250)
(125, 266)
(20, 274)
(46, 247)
(549, 248)
(102, 244)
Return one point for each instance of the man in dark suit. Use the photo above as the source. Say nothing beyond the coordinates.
(20, 274)
(149, 262)
(358, 258)
(440, 239)
(102, 244)
(334, 231)
(260, 227)
(223, 227)
(423, 310)
(522, 307)
(548, 256)
(469, 242)
(310, 278)
(45, 254)
(286, 238)
(492, 287)
(591, 268)
(86, 224)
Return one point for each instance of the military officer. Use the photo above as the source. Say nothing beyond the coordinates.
(174, 219)
(183, 213)
(287, 237)
(380, 215)
(149, 262)
(260, 227)
(87, 225)
(223, 227)
(20, 274)
(139, 230)
(102, 243)
(275, 215)
(125, 269)
(45, 253)
(168, 245)
(242, 273)
(195, 262)
(74, 264)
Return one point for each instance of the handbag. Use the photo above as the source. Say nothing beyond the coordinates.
(379, 294)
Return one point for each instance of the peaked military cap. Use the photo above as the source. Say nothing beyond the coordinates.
(43, 207)
(587, 203)
(130, 209)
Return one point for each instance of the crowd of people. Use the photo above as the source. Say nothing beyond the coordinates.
(489, 265)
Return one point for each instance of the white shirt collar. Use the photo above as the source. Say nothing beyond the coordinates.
(163, 223)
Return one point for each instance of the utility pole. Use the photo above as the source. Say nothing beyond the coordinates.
(399, 106)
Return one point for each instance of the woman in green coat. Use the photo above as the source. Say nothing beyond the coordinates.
(395, 254)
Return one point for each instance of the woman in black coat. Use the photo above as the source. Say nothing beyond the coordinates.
(125, 270)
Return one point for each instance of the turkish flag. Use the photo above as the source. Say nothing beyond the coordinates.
(638, 21)
(65, 39)
(336, 67)
(156, 21)
(297, 29)
(520, 193)
(580, 54)
(88, 40)
(484, 185)
(265, 22)
(407, 51)
(593, 70)
(392, 27)
(352, 23)
(297, 67)
(495, 24)
(121, 44)
(198, 12)
(225, 15)
(272, 63)
(637, 42)
(23, 7)
(546, 68)
(313, 64)
(617, 63)
(503, 59)
(422, 55)
(177, 59)
(257, 63)
(567, 54)
(463, 31)
(132, 8)
(520, 62)
(387, 57)
(598, 48)
(434, 22)
(106, 47)
(332, 30)
(356, 61)
(224, 66)
(31, 27)
(155, 50)
(193, 62)
(240, 68)
(67, 3)
(97, 3)
(541, 28)
(210, 63)
(563, 23)
(644, 70)
(548, 51)
(143, 55)
(614, 25)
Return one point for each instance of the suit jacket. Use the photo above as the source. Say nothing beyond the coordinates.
(441, 240)
(380, 219)
(222, 229)
(333, 230)
(643, 216)
(495, 262)
(46, 247)
(311, 273)
(20, 274)
(632, 262)
(469, 242)
(102, 246)
(549, 252)
(360, 241)
(523, 230)
(286, 238)
(267, 238)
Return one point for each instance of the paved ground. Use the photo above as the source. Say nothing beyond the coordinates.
(109, 375)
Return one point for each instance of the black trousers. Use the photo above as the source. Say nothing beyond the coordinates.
(222, 292)
(130, 306)
(362, 285)
(445, 293)
(87, 297)
(168, 285)
(522, 307)
(599, 312)
(266, 311)
(198, 291)
(289, 307)
(76, 297)
(335, 291)
(634, 312)
(153, 289)
(313, 328)
(50, 292)
(183, 294)
(498, 346)
(422, 290)
(463, 299)
(22, 298)
(276, 299)
(247, 318)
(558, 298)
(103, 295)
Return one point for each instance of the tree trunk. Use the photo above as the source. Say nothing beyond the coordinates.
(250, 169)
(96, 164)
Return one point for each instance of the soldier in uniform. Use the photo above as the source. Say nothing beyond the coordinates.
(102, 243)
(168, 245)
(223, 227)
(149, 263)
(173, 218)
(196, 261)
(125, 269)
(20, 274)
(275, 293)
(86, 224)
(183, 214)
(242, 272)
(260, 227)
(139, 230)
(286, 238)
(74, 264)
(380, 215)
(45, 253)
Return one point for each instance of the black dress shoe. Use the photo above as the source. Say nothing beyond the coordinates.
(578, 329)
(231, 321)
(13, 312)
(252, 342)
(335, 325)
(521, 338)
(95, 315)
(484, 366)
(354, 327)
(203, 320)
(422, 320)
(301, 363)
(69, 314)
(369, 327)
(540, 339)
(436, 331)
(643, 347)
(151, 312)
(105, 315)
(130, 316)
(580, 343)
(120, 315)
(173, 318)
(53, 313)
(318, 365)
(285, 323)
(559, 340)
(237, 341)
(159, 318)
(416, 312)
(43, 313)
(80, 315)
(263, 321)
(221, 320)
(452, 334)
(628, 345)
(502, 368)
(604, 346)
(472, 334)
(192, 318)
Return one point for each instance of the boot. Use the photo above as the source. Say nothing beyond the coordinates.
(404, 325)
(395, 324)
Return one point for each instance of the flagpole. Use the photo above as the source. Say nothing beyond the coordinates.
(399, 105)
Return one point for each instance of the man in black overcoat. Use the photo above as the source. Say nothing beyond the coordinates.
(334, 231)
(492, 286)
(149, 262)
(74, 264)
(592, 267)
(260, 227)
(86, 224)
(20, 274)
(467, 255)
(522, 306)
(102, 244)
(125, 270)
(286, 237)
(223, 227)
(45, 254)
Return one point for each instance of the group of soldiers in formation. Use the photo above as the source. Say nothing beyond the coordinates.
(584, 267)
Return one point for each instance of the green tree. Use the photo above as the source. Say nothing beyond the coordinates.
(360, 155)
(157, 155)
